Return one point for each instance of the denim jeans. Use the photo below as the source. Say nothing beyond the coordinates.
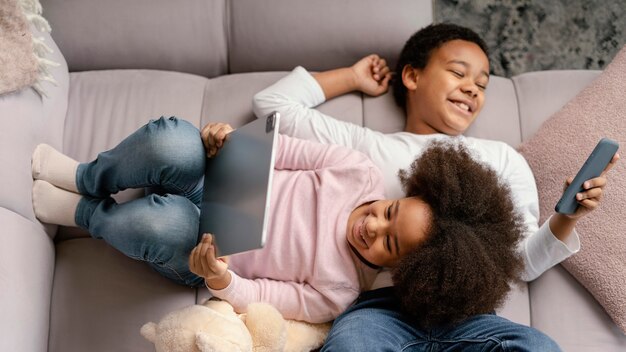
(375, 323)
(166, 155)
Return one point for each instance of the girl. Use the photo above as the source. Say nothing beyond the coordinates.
(330, 231)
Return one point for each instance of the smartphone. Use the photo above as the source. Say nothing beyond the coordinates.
(593, 167)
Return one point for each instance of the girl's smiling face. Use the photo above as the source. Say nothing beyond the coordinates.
(382, 232)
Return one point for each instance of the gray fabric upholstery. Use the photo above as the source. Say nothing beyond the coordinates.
(187, 36)
(541, 94)
(125, 100)
(101, 299)
(564, 310)
(202, 60)
(273, 35)
(26, 267)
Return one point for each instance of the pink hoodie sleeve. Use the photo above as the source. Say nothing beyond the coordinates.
(294, 300)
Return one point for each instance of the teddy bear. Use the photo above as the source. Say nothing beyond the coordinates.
(214, 326)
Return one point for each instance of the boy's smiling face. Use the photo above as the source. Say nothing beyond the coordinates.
(447, 95)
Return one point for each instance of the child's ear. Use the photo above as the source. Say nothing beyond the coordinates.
(410, 75)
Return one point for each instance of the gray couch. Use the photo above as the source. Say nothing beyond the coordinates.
(124, 62)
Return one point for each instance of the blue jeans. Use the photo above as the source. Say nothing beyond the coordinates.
(166, 155)
(375, 323)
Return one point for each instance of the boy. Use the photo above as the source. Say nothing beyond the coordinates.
(441, 76)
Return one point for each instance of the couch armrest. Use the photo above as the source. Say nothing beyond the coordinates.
(26, 271)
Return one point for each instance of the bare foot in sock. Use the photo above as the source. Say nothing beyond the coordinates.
(54, 205)
(50, 165)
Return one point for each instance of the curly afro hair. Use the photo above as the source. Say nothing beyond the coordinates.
(469, 260)
(419, 47)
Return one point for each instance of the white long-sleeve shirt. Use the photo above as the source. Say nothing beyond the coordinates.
(295, 97)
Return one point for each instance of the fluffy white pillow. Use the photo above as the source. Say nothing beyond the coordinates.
(23, 53)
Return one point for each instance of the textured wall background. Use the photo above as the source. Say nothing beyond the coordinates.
(534, 35)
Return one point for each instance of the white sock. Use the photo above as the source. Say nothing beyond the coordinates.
(54, 205)
(50, 165)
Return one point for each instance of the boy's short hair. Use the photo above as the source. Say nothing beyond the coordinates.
(469, 260)
(419, 47)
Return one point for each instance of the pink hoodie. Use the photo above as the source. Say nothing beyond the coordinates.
(306, 269)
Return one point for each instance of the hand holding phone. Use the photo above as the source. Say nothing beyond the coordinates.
(596, 163)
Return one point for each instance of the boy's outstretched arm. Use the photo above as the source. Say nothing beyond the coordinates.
(369, 75)
(296, 95)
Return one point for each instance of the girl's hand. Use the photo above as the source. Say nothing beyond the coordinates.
(593, 192)
(213, 136)
(371, 75)
(204, 263)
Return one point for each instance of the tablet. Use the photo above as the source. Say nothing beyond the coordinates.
(237, 187)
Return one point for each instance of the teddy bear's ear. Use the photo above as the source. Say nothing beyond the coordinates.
(148, 331)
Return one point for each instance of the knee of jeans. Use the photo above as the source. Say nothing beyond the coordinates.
(176, 144)
(347, 333)
(354, 322)
(175, 226)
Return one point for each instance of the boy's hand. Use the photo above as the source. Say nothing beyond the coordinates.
(372, 75)
(213, 136)
(203, 262)
(593, 189)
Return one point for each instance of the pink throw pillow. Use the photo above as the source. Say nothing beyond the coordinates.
(557, 151)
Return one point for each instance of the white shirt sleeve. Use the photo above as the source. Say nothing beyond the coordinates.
(543, 250)
(294, 98)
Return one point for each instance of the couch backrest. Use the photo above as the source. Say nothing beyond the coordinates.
(215, 37)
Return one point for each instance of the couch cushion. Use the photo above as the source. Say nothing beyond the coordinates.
(541, 94)
(273, 35)
(557, 151)
(101, 298)
(187, 36)
(564, 310)
(106, 106)
(26, 268)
